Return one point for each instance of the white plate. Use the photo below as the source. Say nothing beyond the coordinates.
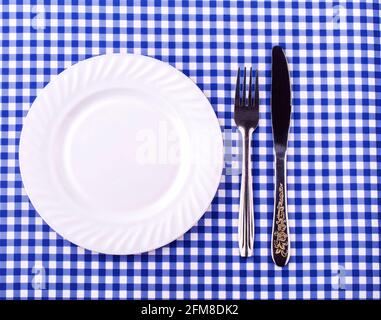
(121, 154)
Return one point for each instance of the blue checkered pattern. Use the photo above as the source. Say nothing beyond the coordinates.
(334, 163)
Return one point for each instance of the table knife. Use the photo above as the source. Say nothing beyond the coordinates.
(280, 114)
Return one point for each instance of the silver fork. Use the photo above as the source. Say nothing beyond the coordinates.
(246, 116)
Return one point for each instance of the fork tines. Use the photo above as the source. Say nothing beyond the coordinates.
(244, 97)
(241, 97)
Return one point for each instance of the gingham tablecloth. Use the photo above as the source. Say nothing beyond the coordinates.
(334, 52)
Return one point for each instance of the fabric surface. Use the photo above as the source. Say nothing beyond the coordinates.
(333, 50)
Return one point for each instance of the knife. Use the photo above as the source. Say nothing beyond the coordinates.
(280, 114)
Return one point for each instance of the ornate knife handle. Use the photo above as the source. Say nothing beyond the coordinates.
(280, 239)
(246, 207)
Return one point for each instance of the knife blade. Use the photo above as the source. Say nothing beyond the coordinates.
(280, 115)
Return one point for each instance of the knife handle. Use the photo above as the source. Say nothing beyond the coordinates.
(280, 239)
(246, 207)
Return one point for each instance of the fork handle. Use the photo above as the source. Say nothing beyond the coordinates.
(246, 210)
(280, 239)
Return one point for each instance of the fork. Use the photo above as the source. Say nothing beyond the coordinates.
(246, 116)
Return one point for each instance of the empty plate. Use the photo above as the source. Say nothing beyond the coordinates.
(121, 154)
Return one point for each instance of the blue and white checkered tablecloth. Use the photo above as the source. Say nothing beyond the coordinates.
(334, 163)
